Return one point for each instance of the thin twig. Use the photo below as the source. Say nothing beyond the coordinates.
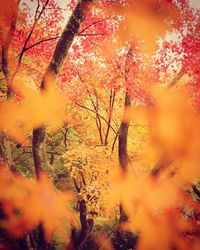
(90, 26)
(82, 106)
(39, 42)
(92, 34)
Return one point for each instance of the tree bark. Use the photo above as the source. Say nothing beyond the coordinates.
(110, 111)
(59, 55)
(123, 137)
(38, 149)
(78, 238)
(123, 131)
(122, 148)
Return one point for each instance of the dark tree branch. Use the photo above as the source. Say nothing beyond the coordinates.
(31, 31)
(99, 21)
(92, 34)
(110, 111)
(82, 106)
(114, 141)
(83, 179)
(39, 42)
(123, 129)
(76, 185)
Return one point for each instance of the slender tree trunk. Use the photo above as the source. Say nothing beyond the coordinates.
(83, 220)
(78, 238)
(123, 130)
(127, 239)
(122, 148)
(110, 111)
(38, 149)
(123, 137)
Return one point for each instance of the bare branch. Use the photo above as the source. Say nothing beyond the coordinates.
(38, 6)
(39, 42)
(92, 34)
(31, 31)
(83, 179)
(82, 106)
(99, 21)
(114, 141)
(76, 185)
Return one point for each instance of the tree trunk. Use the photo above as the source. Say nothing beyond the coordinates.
(38, 149)
(122, 148)
(78, 238)
(123, 137)
(83, 220)
(123, 130)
